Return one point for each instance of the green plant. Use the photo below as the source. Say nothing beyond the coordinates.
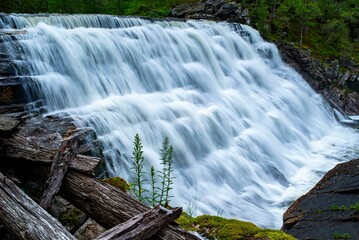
(154, 188)
(156, 195)
(137, 169)
(166, 173)
(354, 206)
(342, 236)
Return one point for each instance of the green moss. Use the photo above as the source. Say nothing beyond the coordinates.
(214, 227)
(70, 217)
(118, 182)
(273, 235)
(342, 236)
(354, 206)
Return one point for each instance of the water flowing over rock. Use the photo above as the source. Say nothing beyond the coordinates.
(249, 133)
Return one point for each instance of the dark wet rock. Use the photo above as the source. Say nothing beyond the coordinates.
(219, 10)
(330, 209)
(339, 89)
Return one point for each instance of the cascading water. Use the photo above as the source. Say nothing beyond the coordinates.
(249, 134)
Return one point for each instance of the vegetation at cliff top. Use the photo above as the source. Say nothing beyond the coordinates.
(328, 27)
(150, 8)
(214, 227)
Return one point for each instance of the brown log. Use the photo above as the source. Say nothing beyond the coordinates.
(104, 203)
(62, 160)
(20, 148)
(24, 218)
(142, 226)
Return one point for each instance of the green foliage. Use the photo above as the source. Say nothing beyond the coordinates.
(118, 182)
(166, 173)
(327, 27)
(156, 195)
(137, 169)
(213, 227)
(153, 8)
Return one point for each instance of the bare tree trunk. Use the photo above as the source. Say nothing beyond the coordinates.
(20, 148)
(62, 160)
(142, 226)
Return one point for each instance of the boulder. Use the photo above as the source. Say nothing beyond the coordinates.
(218, 10)
(331, 209)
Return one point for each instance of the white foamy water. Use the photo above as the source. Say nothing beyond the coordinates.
(249, 134)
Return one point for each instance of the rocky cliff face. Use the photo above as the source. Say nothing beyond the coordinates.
(339, 87)
(331, 209)
(219, 10)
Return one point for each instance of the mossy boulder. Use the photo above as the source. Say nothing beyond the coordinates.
(118, 182)
(214, 227)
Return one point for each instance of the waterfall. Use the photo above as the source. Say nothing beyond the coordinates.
(249, 134)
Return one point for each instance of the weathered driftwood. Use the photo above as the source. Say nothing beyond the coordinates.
(142, 226)
(24, 218)
(104, 203)
(20, 148)
(62, 160)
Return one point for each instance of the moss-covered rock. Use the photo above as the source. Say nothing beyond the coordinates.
(214, 227)
(118, 182)
(71, 217)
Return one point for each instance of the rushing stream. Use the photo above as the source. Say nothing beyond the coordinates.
(249, 134)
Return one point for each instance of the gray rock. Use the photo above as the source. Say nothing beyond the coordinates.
(90, 230)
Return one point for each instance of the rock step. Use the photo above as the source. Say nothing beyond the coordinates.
(330, 209)
(12, 90)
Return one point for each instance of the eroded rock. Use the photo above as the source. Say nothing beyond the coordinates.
(330, 209)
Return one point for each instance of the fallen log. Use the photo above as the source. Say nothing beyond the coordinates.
(20, 148)
(62, 160)
(142, 226)
(24, 218)
(104, 203)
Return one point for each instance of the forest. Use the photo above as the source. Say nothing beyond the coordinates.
(327, 27)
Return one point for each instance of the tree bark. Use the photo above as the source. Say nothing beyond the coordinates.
(104, 203)
(19, 148)
(142, 226)
(24, 218)
(62, 160)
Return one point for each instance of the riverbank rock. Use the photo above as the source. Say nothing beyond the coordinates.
(339, 89)
(219, 10)
(330, 210)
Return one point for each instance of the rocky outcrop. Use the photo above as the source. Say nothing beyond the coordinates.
(339, 88)
(220, 10)
(331, 209)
